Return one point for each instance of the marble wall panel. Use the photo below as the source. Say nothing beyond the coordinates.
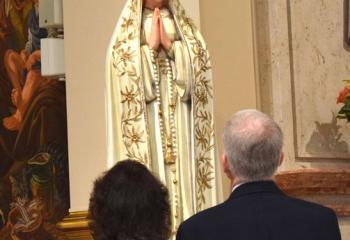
(318, 64)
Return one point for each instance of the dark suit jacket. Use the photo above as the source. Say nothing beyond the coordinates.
(260, 211)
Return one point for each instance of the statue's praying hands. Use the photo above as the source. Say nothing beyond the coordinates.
(158, 37)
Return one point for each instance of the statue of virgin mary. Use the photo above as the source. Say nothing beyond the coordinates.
(160, 102)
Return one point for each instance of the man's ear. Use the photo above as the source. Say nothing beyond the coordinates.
(281, 158)
(226, 166)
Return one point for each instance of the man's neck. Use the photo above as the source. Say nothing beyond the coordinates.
(238, 181)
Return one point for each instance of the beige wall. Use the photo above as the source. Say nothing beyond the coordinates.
(88, 27)
(227, 29)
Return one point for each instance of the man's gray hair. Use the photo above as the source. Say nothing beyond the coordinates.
(253, 143)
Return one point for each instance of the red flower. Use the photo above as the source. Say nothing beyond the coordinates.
(343, 93)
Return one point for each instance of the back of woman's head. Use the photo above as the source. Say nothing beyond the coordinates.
(128, 202)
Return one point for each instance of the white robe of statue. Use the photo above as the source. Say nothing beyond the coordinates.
(160, 105)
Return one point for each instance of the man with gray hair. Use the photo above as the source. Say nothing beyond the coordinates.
(257, 208)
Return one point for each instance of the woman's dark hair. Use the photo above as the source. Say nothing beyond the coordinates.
(129, 203)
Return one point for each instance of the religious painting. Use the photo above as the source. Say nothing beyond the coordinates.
(34, 179)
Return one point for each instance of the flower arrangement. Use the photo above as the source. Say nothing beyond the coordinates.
(344, 98)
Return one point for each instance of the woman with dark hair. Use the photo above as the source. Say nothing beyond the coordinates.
(129, 203)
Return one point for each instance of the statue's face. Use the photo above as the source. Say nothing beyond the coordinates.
(155, 3)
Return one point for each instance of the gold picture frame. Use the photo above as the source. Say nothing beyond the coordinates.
(76, 226)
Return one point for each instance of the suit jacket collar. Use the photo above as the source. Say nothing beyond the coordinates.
(256, 187)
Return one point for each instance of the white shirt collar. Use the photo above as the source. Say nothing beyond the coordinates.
(237, 185)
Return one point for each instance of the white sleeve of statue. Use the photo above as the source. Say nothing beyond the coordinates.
(183, 70)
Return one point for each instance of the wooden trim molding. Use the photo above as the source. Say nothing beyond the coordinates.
(319, 185)
(76, 226)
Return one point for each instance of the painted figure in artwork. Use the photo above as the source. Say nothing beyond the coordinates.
(13, 21)
(160, 102)
(23, 69)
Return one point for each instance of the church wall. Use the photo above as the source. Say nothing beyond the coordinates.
(88, 27)
(227, 29)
